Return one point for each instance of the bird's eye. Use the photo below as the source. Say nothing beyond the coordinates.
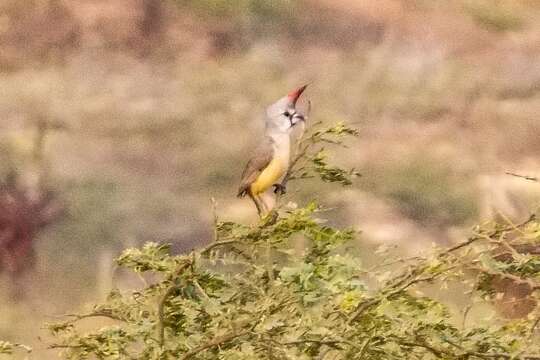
(287, 114)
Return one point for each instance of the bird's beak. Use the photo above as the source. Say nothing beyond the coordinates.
(295, 94)
(299, 117)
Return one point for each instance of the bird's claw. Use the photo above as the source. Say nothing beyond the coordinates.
(279, 189)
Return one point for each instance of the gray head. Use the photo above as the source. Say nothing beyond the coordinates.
(282, 115)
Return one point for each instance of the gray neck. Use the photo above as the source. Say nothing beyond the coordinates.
(275, 132)
(278, 136)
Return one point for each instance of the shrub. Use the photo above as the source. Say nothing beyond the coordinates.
(428, 192)
(249, 294)
(495, 16)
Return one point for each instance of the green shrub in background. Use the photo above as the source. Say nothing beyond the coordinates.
(239, 8)
(496, 15)
(252, 294)
(252, 15)
(426, 191)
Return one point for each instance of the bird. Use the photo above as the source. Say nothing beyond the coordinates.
(270, 160)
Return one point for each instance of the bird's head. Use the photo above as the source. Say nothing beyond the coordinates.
(282, 115)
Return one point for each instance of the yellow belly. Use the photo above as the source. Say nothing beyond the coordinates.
(269, 176)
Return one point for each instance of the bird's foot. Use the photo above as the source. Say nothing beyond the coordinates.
(279, 189)
(269, 218)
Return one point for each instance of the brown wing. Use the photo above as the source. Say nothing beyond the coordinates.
(260, 160)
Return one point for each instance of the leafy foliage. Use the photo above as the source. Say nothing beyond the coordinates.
(7, 348)
(311, 158)
(253, 293)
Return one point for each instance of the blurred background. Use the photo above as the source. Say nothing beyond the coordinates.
(121, 119)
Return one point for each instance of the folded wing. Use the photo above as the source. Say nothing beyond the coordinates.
(262, 157)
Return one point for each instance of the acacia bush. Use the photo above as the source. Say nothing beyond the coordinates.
(292, 286)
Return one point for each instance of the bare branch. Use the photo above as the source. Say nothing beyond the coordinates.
(526, 177)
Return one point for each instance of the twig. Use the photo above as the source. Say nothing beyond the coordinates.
(64, 346)
(532, 284)
(504, 356)
(361, 308)
(269, 261)
(161, 314)
(437, 352)
(200, 289)
(330, 342)
(314, 341)
(465, 313)
(533, 327)
(215, 218)
(209, 247)
(526, 177)
(392, 262)
(510, 222)
(489, 356)
(102, 313)
(215, 342)
(26, 348)
(443, 353)
(384, 295)
(364, 348)
(162, 302)
(494, 233)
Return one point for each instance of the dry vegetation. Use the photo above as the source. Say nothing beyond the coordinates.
(151, 109)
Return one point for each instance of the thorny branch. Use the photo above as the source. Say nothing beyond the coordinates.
(100, 313)
(413, 273)
(213, 245)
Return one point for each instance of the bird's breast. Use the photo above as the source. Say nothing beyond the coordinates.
(270, 175)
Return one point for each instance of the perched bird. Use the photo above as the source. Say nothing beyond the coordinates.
(270, 160)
